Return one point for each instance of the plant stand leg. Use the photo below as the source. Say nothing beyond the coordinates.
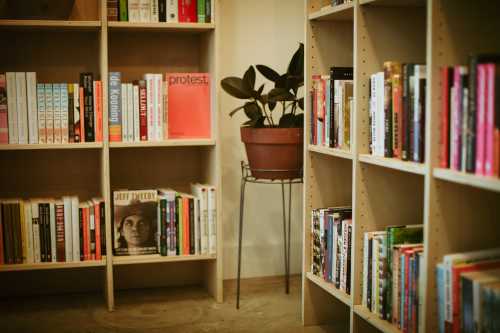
(242, 206)
(286, 240)
(289, 235)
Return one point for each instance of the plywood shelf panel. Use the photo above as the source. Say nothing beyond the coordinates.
(162, 26)
(374, 320)
(394, 3)
(343, 12)
(330, 151)
(166, 143)
(156, 258)
(487, 183)
(394, 164)
(330, 288)
(52, 265)
(84, 145)
(51, 24)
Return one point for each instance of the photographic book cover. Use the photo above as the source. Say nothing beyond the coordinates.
(135, 222)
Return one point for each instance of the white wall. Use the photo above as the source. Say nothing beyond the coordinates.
(256, 32)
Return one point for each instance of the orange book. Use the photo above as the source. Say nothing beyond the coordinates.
(98, 111)
(85, 229)
(189, 105)
(185, 225)
(97, 223)
(82, 120)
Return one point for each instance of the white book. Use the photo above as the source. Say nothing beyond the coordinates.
(68, 231)
(341, 112)
(91, 230)
(201, 193)
(31, 90)
(130, 112)
(42, 135)
(76, 108)
(420, 73)
(373, 98)
(336, 217)
(380, 114)
(36, 231)
(75, 222)
(29, 232)
(154, 12)
(52, 214)
(165, 110)
(343, 256)
(64, 113)
(144, 11)
(56, 102)
(212, 220)
(150, 106)
(197, 223)
(22, 109)
(124, 113)
(172, 11)
(134, 14)
(364, 294)
(94, 105)
(159, 106)
(12, 107)
(137, 136)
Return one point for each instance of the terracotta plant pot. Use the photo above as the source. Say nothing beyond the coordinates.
(274, 149)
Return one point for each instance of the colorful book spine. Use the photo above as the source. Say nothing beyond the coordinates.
(11, 107)
(31, 90)
(143, 111)
(21, 108)
(187, 11)
(98, 111)
(201, 11)
(115, 114)
(64, 113)
(86, 81)
(490, 119)
(56, 104)
(4, 121)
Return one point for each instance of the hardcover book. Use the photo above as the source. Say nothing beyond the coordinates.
(4, 125)
(135, 222)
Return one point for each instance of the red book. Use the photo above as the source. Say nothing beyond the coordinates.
(446, 77)
(496, 132)
(143, 111)
(188, 11)
(316, 80)
(86, 233)
(481, 118)
(456, 271)
(490, 119)
(4, 124)
(97, 223)
(185, 225)
(82, 120)
(189, 106)
(60, 240)
(98, 110)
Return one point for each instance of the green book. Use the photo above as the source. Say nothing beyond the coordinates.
(396, 235)
(162, 210)
(201, 11)
(123, 10)
(178, 223)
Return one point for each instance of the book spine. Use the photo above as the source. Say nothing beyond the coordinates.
(162, 10)
(71, 112)
(124, 109)
(173, 227)
(36, 232)
(68, 232)
(115, 112)
(416, 114)
(136, 117)
(212, 220)
(380, 114)
(76, 113)
(481, 115)
(2, 243)
(165, 110)
(86, 232)
(82, 114)
(208, 11)
(81, 229)
(159, 106)
(201, 11)
(51, 211)
(56, 103)
(464, 78)
(21, 107)
(192, 239)
(87, 82)
(185, 226)
(49, 112)
(64, 113)
(164, 226)
(490, 119)
(4, 120)
(112, 10)
(445, 118)
(150, 106)
(98, 231)
(12, 107)
(75, 228)
(98, 111)
(134, 11)
(388, 131)
(172, 11)
(92, 236)
(197, 228)
(143, 110)
(154, 11)
(123, 8)
(60, 233)
(24, 232)
(144, 10)
(496, 133)
(42, 130)
(187, 11)
(472, 116)
(32, 107)
(397, 114)
(130, 112)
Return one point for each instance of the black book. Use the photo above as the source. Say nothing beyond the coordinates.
(163, 227)
(336, 73)
(388, 151)
(470, 139)
(162, 10)
(102, 216)
(178, 236)
(408, 72)
(348, 259)
(41, 231)
(192, 239)
(16, 214)
(208, 11)
(86, 81)
(421, 135)
(369, 279)
(48, 239)
(71, 116)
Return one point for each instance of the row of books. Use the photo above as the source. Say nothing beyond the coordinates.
(397, 111)
(331, 232)
(157, 108)
(165, 221)
(392, 264)
(470, 116)
(47, 113)
(468, 289)
(51, 230)
(340, 2)
(160, 10)
(331, 108)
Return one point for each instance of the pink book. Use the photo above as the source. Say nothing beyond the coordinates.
(480, 120)
(490, 118)
(456, 120)
(4, 125)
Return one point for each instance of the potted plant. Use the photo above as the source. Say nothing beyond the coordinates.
(273, 133)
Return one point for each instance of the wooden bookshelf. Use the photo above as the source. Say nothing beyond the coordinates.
(343, 12)
(92, 44)
(459, 211)
(330, 288)
(331, 151)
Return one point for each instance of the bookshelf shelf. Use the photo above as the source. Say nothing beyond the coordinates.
(166, 143)
(330, 288)
(156, 258)
(344, 12)
(85, 145)
(331, 151)
(373, 319)
(51, 24)
(393, 163)
(394, 3)
(52, 265)
(486, 183)
(187, 27)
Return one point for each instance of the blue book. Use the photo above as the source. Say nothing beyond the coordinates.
(440, 284)
(115, 110)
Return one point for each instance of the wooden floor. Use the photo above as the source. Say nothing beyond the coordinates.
(264, 308)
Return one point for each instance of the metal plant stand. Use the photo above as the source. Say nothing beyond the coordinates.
(246, 177)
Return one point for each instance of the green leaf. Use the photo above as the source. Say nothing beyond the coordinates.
(259, 122)
(236, 110)
(296, 66)
(236, 87)
(299, 120)
(280, 94)
(268, 73)
(281, 82)
(287, 121)
(249, 77)
(301, 103)
(259, 91)
(252, 110)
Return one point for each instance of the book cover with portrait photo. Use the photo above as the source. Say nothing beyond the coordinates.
(135, 222)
